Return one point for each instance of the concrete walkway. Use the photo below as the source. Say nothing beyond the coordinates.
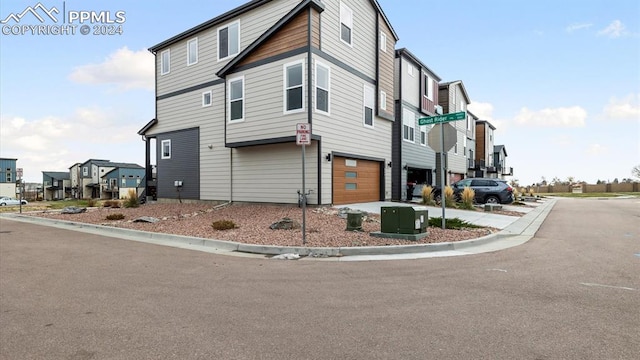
(515, 231)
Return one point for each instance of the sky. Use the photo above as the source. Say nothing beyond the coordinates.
(560, 80)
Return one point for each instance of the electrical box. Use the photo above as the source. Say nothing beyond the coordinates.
(177, 183)
(404, 219)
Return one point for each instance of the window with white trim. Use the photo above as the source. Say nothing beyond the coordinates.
(228, 40)
(423, 136)
(383, 100)
(236, 99)
(85, 171)
(293, 87)
(206, 98)
(165, 148)
(323, 76)
(346, 24)
(369, 101)
(463, 106)
(408, 125)
(165, 62)
(192, 51)
(410, 69)
(428, 87)
(383, 41)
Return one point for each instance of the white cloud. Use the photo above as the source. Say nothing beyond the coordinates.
(484, 111)
(614, 30)
(559, 117)
(625, 108)
(562, 141)
(124, 68)
(596, 150)
(575, 27)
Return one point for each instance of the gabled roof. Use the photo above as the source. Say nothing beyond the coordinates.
(472, 114)
(123, 167)
(241, 10)
(95, 161)
(457, 82)
(482, 122)
(406, 53)
(147, 127)
(500, 148)
(56, 175)
(269, 33)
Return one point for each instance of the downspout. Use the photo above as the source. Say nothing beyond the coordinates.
(309, 90)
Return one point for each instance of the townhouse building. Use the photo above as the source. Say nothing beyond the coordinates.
(56, 185)
(453, 98)
(230, 92)
(416, 96)
(8, 177)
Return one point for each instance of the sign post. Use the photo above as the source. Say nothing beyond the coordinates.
(441, 119)
(303, 138)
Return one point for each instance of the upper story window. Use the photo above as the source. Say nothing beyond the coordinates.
(236, 99)
(469, 123)
(206, 98)
(428, 87)
(323, 74)
(408, 125)
(165, 149)
(423, 136)
(346, 24)
(369, 100)
(192, 51)
(410, 69)
(383, 41)
(228, 40)
(85, 171)
(9, 179)
(293, 86)
(165, 62)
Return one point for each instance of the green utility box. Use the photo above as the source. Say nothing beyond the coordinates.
(404, 219)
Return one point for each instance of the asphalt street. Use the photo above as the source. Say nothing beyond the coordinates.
(571, 292)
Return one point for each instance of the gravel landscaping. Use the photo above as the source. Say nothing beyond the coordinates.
(324, 227)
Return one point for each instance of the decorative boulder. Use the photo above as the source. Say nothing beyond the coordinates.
(285, 224)
(73, 210)
(147, 219)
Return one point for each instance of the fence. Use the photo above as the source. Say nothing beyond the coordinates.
(585, 188)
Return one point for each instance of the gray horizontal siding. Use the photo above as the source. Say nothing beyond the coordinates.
(183, 165)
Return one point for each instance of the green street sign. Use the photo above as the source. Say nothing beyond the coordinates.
(442, 118)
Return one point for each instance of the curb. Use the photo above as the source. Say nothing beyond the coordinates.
(526, 226)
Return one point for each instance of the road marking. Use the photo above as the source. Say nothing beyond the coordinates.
(609, 286)
(501, 270)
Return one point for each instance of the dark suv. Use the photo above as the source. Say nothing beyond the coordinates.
(487, 190)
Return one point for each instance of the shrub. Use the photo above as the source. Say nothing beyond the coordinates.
(427, 195)
(132, 199)
(223, 225)
(92, 202)
(455, 223)
(449, 198)
(112, 204)
(467, 198)
(117, 216)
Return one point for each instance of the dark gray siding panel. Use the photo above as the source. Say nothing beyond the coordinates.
(184, 165)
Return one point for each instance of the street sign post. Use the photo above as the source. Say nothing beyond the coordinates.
(20, 186)
(441, 119)
(303, 137)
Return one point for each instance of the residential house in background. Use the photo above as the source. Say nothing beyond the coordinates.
(56, 185)
(484, 148)
(91, 182)
(231, 91)
(499, 168)
(453, 98)
(117, 183)
(416, 96)
(470, 145)
(8, 177)
(75, 177)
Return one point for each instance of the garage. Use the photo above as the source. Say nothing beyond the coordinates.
(355, 180)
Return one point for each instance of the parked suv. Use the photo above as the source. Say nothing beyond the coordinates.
(487, 190)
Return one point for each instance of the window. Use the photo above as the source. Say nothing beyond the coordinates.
(469, 123)
(383, 100)
(368, 105)
(165, 62)
(408, 125)
(166, 149)
(228, 40)
(410, 69)
(383, 41)
(428, 87)
(236, 99)
(192, 51)
(9, 176)
(351, 174)
(206, 98)
(323, 74)
(346, 24)
(124, 182)
(423, 136)
(351, 186)
(85, 171)
(293, 87)
(463, 106)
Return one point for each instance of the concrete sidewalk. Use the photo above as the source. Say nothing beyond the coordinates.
(515, 231)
